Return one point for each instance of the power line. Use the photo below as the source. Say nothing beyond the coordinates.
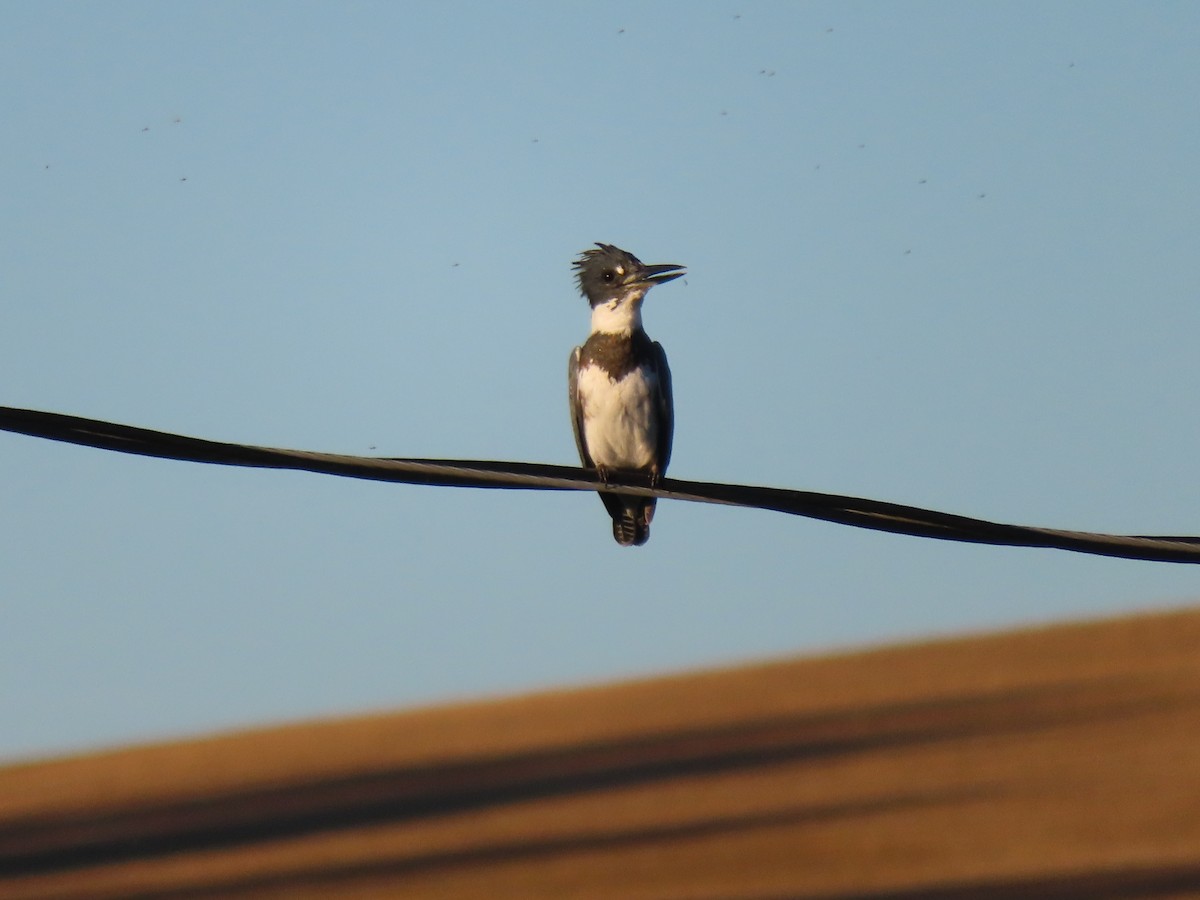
(860, 513)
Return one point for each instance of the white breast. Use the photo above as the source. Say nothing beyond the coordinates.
(620, 418)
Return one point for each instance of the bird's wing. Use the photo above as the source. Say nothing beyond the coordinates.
(576, 406)
(666, 402)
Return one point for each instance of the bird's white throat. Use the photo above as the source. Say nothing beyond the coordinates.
(618, 316)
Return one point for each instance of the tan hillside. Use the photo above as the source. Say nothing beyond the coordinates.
(1062, 762)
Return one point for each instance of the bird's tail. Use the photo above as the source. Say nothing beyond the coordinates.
(631, 520)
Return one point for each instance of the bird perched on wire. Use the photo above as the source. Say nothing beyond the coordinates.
(619, 384)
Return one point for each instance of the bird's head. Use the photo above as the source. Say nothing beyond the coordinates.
(609, 274)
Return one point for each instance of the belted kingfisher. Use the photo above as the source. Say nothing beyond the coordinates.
(619, 384)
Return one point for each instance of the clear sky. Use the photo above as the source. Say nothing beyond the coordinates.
(943, 254)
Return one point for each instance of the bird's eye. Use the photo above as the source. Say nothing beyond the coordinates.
(609, 277)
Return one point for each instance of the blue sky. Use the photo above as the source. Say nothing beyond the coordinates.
(942, 254)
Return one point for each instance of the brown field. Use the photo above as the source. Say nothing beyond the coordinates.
(1060, 762)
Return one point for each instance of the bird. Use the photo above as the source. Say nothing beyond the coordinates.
(619, 384)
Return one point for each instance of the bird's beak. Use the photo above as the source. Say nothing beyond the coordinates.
(661, 274)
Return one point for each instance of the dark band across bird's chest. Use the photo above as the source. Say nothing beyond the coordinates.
(616, 354)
